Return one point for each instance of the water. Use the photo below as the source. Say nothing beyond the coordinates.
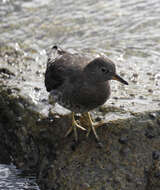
(126, 31)
(13, 179)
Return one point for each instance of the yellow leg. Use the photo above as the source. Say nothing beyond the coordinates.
(92, 126)
(74, 127)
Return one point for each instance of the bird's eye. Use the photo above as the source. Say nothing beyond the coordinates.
(104, 70)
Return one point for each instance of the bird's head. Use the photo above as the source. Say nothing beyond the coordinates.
(103, 69)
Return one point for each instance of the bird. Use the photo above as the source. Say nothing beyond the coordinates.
(79, 83)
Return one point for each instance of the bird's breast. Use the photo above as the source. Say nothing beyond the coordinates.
(91, 96)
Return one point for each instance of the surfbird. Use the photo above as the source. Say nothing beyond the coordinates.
(79, 83)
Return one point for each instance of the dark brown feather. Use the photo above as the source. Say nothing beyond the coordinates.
(64, 66)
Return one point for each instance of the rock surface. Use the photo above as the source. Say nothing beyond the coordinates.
(34, 140)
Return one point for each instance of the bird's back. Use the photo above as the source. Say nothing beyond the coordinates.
(62, 65)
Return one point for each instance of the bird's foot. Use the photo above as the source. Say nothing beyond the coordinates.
(74, 127)
(92, 126)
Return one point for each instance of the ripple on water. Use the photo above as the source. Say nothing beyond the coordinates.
(12, 178)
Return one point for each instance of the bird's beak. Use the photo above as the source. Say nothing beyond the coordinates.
(117, 77)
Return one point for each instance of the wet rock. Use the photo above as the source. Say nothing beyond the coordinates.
(150, 90)
(35, 141)
(153, 182)
(156, 155)
(132, 95)
(149, 134)
(148, 73)
(6, 73)
(125, 151)
(152, 115)
(123, 140)
(158, 121)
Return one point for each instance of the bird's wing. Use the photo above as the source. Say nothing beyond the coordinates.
(62, 65)
(54, 75)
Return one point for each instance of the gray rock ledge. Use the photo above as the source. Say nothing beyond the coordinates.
(34, 140)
